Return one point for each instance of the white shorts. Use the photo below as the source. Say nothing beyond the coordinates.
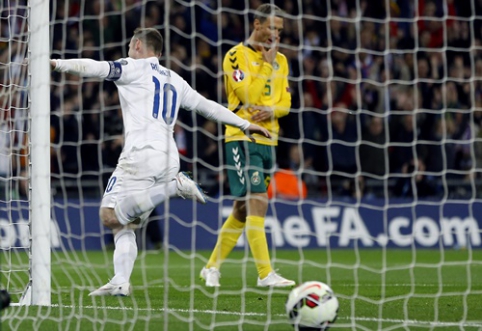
(139, 170)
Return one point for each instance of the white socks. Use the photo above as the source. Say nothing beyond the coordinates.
(138, 203)
(125, 254)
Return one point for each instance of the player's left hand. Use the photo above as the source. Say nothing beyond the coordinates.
(253, 128)
(261, 113)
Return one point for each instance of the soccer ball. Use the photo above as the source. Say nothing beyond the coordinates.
(312, 306)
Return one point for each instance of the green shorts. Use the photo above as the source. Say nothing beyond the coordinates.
(249, 167)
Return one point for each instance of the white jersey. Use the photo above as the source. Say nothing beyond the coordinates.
(150, 96)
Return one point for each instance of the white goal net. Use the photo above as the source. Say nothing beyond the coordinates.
(377, 189)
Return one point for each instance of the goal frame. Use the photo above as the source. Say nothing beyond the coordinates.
(38, 291)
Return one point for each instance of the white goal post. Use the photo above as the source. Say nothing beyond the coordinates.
(40, 206)
(25, 132)
(376, 189)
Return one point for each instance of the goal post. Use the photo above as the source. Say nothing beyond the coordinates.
(38, 291)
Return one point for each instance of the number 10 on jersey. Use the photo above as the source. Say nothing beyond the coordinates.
(168, 93)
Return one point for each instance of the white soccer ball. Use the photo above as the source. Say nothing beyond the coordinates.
(312, 306)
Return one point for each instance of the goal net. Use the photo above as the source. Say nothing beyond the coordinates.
(376, 190)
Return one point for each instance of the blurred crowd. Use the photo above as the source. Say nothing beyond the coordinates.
(386, 94)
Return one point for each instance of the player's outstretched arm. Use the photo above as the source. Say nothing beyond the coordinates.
(214, 111)
(85, 67)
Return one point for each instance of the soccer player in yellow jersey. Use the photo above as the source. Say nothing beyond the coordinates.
(256, 82)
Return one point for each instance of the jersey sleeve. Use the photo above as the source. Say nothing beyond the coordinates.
(248, 86)
(192, 100)
(84, 67)
(236, 69)
(123, 71)
(128, 70)
(282, 108)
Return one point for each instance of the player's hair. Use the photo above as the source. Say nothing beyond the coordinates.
(266, 10)
(151, 37)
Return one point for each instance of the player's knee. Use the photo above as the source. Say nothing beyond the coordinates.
(108, 218)
(260, 199)
(105, 222)
(103, 215)
(239, 211)
(258, 204)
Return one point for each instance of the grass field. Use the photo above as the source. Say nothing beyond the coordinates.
(391, 290)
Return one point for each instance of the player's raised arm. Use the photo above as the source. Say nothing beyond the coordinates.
(109, 70)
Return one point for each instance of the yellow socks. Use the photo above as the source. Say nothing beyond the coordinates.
(228, 237)
(256, 236)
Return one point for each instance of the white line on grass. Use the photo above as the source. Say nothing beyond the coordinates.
(154, 285)
(416, 322)
(234, 313)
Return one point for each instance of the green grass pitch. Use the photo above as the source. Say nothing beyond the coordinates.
(377, 289)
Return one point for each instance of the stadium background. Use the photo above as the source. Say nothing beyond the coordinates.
(339, 65)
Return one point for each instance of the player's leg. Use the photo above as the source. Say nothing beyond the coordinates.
(125, 252)
(256, 236)
(257, 206)
(153, 231)
(140, 202)
(234, 225)
(154, 176)
(227, 239)
(228, 235)
(157, 178)
(132, 177)
(125, 255)
(125, 246)
(260, 165)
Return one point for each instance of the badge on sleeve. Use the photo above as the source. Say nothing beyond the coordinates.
(238, 75)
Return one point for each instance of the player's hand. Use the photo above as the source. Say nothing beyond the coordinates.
(261, 113)
(269, 55)
(253, 128)
(53, 63)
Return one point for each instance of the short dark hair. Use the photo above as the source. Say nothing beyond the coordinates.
(152, 37)
(266, 10)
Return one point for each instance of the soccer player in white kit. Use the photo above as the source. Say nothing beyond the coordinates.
(147, 172)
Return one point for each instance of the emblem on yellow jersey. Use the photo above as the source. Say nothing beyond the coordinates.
(238, 75)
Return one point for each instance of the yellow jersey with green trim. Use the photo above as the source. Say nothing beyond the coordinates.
(250, 81)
